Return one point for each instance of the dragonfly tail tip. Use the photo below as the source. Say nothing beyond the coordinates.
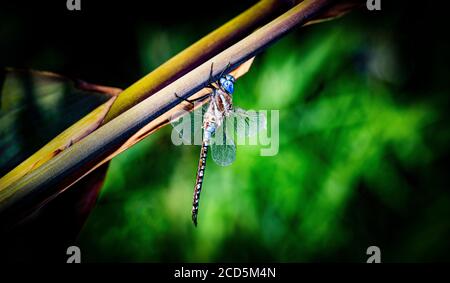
(194, 219)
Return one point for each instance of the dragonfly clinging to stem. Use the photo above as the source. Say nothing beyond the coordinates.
(220, 121)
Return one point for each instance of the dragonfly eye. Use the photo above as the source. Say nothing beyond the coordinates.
(227, 83)
(230, 78)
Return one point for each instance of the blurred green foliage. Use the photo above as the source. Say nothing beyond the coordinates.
(356, 165)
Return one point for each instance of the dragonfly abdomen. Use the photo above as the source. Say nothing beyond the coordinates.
(199, 181)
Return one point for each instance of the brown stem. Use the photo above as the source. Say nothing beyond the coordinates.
(72, 164)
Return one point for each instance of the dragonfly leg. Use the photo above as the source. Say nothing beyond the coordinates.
(211, 79)
(210, 82)
(191, 101)
(226, 68)
(182, 98)
(211, 73)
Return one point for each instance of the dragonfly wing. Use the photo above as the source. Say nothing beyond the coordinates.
(222, 148)
(188, 127)
(247, 123)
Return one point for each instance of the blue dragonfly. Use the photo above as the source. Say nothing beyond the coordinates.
(216, 125)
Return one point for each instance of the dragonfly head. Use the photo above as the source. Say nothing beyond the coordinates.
(227, 83)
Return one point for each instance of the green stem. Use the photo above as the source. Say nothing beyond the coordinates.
(76, 161)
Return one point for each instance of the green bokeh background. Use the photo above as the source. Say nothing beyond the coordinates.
(363, 135)
(356, 165)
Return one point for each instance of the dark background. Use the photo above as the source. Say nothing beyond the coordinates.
(393, 67)
(100, 42)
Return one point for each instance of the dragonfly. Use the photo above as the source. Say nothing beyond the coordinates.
(220, 125)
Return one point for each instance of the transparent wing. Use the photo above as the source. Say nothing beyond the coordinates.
(238, 125)
(222, 147)
(246, 123)
(188, 127)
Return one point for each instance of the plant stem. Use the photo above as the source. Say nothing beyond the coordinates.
(195, 54)
(76, 161)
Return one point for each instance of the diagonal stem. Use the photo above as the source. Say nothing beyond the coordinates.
(75, 162)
